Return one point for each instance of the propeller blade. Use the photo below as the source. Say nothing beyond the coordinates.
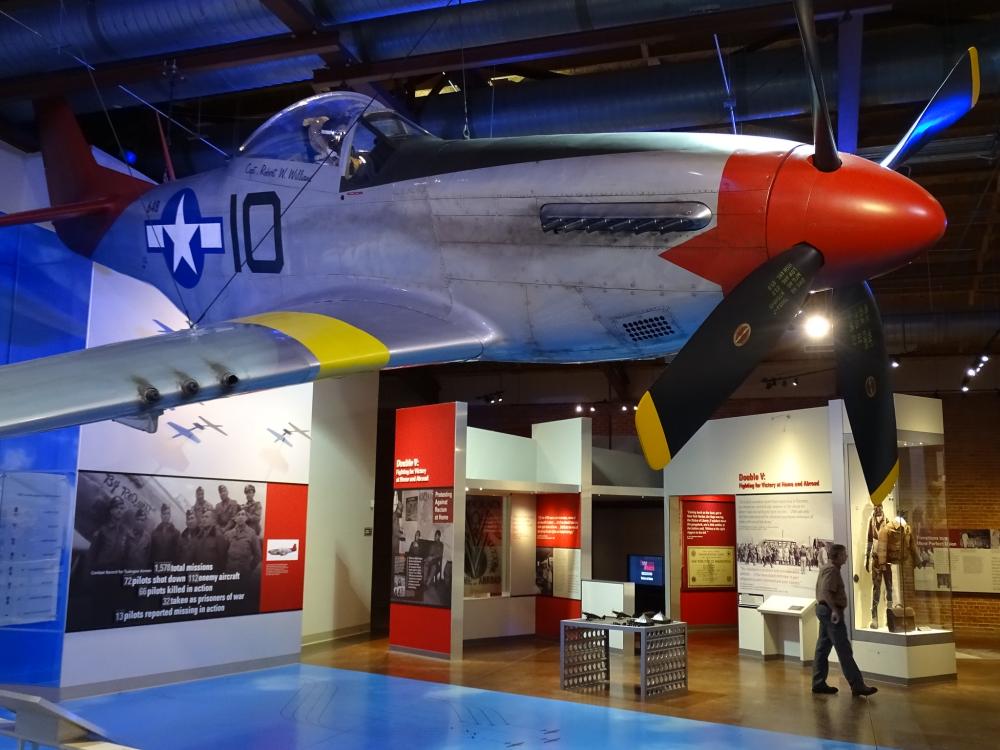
(863, 382)
(955, 96)
(825, 158)
(723, 351)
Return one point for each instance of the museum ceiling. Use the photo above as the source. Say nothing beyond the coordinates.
(218, 68)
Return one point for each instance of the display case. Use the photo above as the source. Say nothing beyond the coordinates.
(902, 608)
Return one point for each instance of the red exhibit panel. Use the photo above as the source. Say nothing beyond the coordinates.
(420, 627)
(708, 564)
(558, 521)
(282, 575)
(425, 447)
(550, 610)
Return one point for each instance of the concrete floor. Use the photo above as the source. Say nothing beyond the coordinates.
(729, 689)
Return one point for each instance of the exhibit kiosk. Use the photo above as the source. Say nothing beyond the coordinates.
(491, 532)
(797, 488)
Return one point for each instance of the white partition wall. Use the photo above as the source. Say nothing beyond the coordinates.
(338, 579)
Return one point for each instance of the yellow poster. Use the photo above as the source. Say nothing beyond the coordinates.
(711, 567)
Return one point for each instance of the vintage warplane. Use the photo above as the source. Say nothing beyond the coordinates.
(282, 551)
(345, 238)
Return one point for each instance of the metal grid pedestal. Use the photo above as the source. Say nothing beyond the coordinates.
(585, 658)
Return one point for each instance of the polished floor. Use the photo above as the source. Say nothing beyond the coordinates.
(356, 694)
(304, 706)
(729, 689)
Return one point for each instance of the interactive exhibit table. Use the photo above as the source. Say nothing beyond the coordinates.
(585, 658)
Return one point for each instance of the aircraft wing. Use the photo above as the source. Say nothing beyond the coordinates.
(135, 381)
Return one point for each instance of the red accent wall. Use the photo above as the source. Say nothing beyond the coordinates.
(281, 581)
(558, 521)
(424, 458)
(420, 627)
(425, 447)
(707, 606)
(549, 610)
(557, 525)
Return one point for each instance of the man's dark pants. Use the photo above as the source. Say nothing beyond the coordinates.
(834, 636)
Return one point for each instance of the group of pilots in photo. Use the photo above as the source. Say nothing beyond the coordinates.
(226, 535)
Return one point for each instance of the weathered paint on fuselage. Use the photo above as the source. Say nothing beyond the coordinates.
(464, 246)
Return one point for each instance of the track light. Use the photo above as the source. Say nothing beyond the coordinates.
(971, 372)
(624, 408)
(984, 358)
(579, 408)
(795, 382)
(965, 388)
(593, 408)
(635, 407)
(817, 326)
(894, 362)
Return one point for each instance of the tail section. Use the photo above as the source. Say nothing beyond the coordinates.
(86, 198)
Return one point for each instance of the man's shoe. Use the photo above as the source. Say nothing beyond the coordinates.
(825, 689)
(866, 690)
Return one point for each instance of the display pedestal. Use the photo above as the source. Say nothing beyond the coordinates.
(905, 658)
(781, 627)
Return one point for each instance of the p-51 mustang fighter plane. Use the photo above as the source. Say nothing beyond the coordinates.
(344, 238)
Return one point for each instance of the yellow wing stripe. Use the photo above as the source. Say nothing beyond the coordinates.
(651, 435)
(887, 484)
(974, 59)
(338, 347)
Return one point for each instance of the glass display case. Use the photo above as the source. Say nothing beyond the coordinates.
(900, 550)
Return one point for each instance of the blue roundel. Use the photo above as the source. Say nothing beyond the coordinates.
(184, 237)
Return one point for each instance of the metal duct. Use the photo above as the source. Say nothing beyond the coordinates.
(933, 332)
(120, 29)
(339, 12)
(481, 23)
(899, 67)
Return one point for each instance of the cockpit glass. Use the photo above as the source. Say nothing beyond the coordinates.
(313, 129)
(393, 126)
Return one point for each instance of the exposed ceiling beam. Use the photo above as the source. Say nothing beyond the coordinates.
(293, 14)
(193, 61)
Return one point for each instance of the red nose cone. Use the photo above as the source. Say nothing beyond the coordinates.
(866, 220)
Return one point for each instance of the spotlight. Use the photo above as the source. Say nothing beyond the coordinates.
(965, 389)
(579, 408)
(624, 408)
(635, 407)
(971, 372)
(795, 382)
(499, 399)
(984, 358)
(894, 362)
(593, 409)
(817, 326)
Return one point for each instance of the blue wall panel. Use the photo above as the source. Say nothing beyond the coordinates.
(44, 299)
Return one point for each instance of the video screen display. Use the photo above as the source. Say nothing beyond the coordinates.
(646, 570)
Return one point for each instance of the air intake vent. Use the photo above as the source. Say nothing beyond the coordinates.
(649, 326)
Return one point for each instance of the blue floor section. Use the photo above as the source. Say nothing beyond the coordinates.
(304, 706)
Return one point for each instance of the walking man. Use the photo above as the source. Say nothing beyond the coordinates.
(831, 601)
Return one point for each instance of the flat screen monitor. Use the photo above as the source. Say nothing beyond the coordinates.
(646, 570)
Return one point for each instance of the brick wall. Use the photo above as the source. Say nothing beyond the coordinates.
(972, 468)
(972, 465)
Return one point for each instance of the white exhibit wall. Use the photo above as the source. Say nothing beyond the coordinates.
(180, 649)
(498, 456)
(560, 450)
(523, 518)
(245, 449)
(337, 597)
(785, 451)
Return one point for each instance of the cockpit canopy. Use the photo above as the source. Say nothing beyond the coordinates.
(315, 130)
